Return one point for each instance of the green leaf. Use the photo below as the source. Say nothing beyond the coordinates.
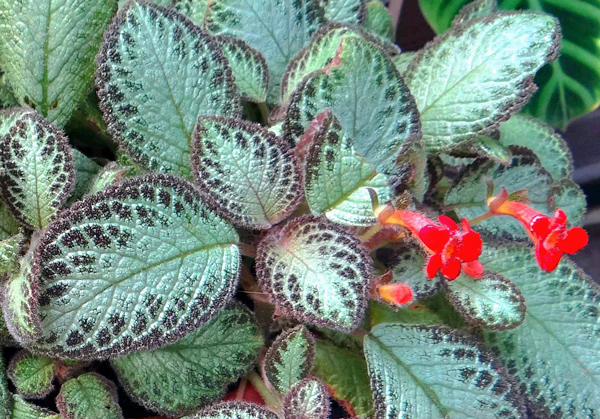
(316, 271)
(548, 146)
(345, 11)
(345, 373)
(378, 21)
(570, 86)
(250, 175)
(385, 313)
(469, 191)
(290, 358)
(86, 171)
(234, 410)
(435, 372)
(109, 175)
(47, 49)
(555, 353)
(206, 361)
(492, 302)
(157, 74)
(367, 95)
(6, 401)
(338, 180)
(195, 10)
(307, 399)
(7, 96)
(403, 60)
(135, 267)
(488, 79)
(37, 173)
(9, 253)
(25, 410)
(277, 29)
(88, 396)
(248, 67)
(32, 375)
(492, 149)
(568, 196)
(474, 10)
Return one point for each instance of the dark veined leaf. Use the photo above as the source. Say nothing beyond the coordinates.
(47, 49)
(469, 191)
(338, 181)
(307, 399)
(9, 252)
(316, 271)
(568, 196)
(277, 29)
(25, 410)
(344, 11)
(492, 302)
(489, 79)
(32, 375)
(88, 396)
(157, 74)
(86, 171)
(290, 358)
(435, 372)
(6, 401)
(206, 360)
(345, 373)
(38, 174)
(570, 86)
(100, 297)
(378, 21)
(367, 95)
(249, 174)
(555, 353)
(234, 410)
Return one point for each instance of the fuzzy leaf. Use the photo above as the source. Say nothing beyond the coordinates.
(419, 314)
(307, 399)
(47, 49)
(32, 374)
(234, 410)
(110, 174)
(344, 11)
(555, 353)
(6, 401)
(378, 21)
(338, 179)
(548, 146)
(408, 268)
(135, 267)
(316, 271)
(208, 360)
(88, 396)
(248, 66)
(402, 61)
(367, 95)
(195, 10)
(568, 196)
(249, 173)
(9, 252)
(290, 358)
(37, 173)
(474, 10)
(345, 373)
(489, 78)
(86, 171)
(25, 410)
(157, 74)
(469, 191)
(492, 302)
(9, 227)
(434, 372)
(277, 29)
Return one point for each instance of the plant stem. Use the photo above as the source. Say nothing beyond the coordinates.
(272, 400)
(481, 218)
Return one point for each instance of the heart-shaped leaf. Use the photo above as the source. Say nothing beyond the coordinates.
(5, 395)
(367, 95)
(345, 373)
(88, 396)
(344, 11)
(277, 29)
(290, 358)
(307, 399)
(47, 49)
(492, 301)
(86, 171)
(38, 173)
(489, 79)
(378, 21)
(234, 410)
(157, 74)
(25, 410)
(135, 267)
(208, 359)
(32, 375)
(435, 372)
(9, 252)
(316, 271)
(250, 175)
(338, 181)
(568, 196)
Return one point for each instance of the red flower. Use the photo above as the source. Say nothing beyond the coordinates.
(452, 250)
(398, 294)
(551, 237)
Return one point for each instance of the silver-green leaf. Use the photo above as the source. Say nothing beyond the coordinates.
(32, 375)
(234, 410)
(568, 196)
(157, 74)
(344, 11)
(88, 396)
(307, 399)
(86, 171)
(474, 10)
(25, 410)
(9, 253)
(408, 267)
(107, 176)
(135, 267)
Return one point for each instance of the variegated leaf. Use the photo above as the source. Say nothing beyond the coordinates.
(32, 375)
(408, 267)
(344, 11)
(9, 253)
(234, 410)
(88, 396)
(307, 399)
(25, 410)
(109, 175)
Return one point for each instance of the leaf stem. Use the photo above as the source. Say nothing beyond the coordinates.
(272, 399)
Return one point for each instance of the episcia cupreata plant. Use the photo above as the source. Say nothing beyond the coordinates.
(297, 212)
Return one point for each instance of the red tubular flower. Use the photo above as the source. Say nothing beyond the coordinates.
(398, 294)
(551, 237)
(452, 250)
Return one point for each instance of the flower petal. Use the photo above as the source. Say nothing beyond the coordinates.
(451, 269)
(576, 238)
(473, 269)
(434, 265)
(469, 247)
(448, 222)
(540, 226)
(560, 218)
(547, 258)
(434, 237)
